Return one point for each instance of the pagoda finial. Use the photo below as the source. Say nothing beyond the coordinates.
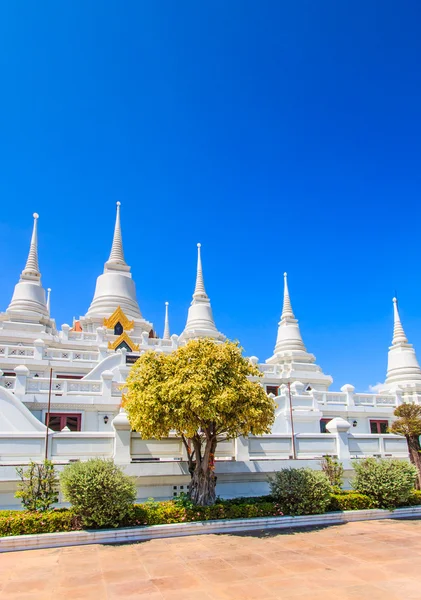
(199, 290)
(399, 336)
(286, 308)
(31, 269)
(117, 254)
(48, 299)
(166, 335)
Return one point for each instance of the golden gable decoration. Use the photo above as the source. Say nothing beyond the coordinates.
(124, 337)
(118, 316)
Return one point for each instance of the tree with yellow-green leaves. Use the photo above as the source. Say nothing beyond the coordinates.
(204, 392)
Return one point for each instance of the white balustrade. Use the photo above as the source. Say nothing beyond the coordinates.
(115, 389)
(41, 385)
(82, 335)
(8, 383)
(16, 351)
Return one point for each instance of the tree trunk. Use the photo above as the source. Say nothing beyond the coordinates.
(415, 456)
(203, 481)
(202, 487)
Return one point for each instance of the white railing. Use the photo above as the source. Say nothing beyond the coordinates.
(82, 335)
(71, 355)
(374, 400)
(41, 385)
(115, 388)
(16, 351)
(8, 383)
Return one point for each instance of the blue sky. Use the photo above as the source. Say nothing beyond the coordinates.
(281, 135)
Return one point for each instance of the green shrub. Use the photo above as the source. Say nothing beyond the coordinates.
(38, 488)
(301, 491)
(24, 522)
(100, 493)
(414, 499)
(158, 513)
(334, 471)
(388, 482)
(350, 501)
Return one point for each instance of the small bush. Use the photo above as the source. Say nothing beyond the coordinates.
(389, 483)
(100, 493)
(19, 522)
(38, 488)
(350, 501)
(414, 499)
(333, 470)
(301, 491)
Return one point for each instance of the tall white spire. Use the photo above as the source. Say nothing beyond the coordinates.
(402, 364)
(28, 301)
(116, 261)
(399, 336)
(200, 321)
(115, 287)
(166, 335)
(31, 269)
(289, 336)
(286, 308)
(199, 290)
(290, 354)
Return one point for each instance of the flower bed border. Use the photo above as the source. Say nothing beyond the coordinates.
(137, 534)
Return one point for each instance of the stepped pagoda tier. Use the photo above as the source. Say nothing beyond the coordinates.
(403, 369)
(29, 304)
(115, 289)
(200, 322)
(290, 353)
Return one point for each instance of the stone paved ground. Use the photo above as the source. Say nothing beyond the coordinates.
(373, 560)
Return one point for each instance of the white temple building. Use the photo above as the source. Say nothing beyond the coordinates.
(82, 367)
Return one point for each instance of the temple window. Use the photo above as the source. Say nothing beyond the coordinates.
(123, 344)
(272, 389)
(118, 328)
(58, 421)
(379, 426)
(323, 423)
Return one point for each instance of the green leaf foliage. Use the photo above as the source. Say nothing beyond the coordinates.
(201, 386)
(408, 422)
(99, 492)
(38, 488)
(333, 470)
(350, 501)
(389, 483)
(301, 491)
(22, 522)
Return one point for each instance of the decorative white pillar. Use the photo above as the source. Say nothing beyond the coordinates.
(107, 382)
(39, 346)
(22, 373)
(339, 427)
(349, 389)
(65, 332)
(242, 449)
(123, 433)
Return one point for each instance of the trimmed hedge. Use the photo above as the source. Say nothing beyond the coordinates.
(350, 501)
(414, 499)
(16, 522)
(21, 522)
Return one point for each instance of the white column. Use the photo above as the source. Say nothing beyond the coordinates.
(39, 346)
(349, 391)
(123, 433)
(22, 373)
(339, 427)
(242, 449)
(65, 332)
(107, 382)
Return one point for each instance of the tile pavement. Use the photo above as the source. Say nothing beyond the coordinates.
(367, 560)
